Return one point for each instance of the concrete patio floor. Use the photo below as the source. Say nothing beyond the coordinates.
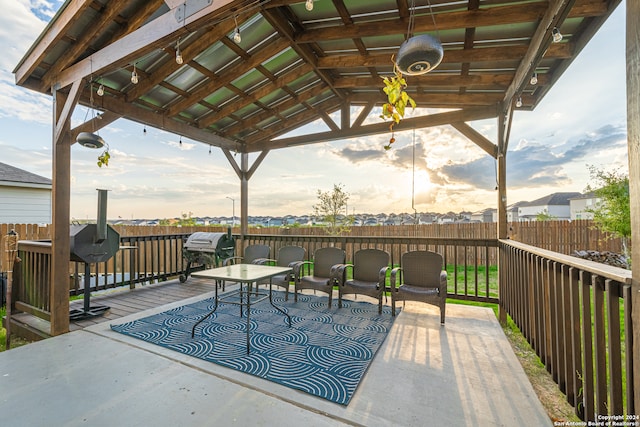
(462, 374)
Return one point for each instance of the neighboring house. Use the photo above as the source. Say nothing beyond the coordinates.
(486, 215)
(555, 205)
(512, 212)
(25, 198)
(579, 205)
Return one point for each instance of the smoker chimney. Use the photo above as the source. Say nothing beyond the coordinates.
(101, 222)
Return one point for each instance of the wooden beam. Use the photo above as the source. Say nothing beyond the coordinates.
(57, 31)
(158, 119)
(435, 99)
(109, 13)
(258, 94)
(60, 201)
(439, 119)
(282, 25)
(483, 17)
(476, 55)
(244, 195)
(230, 75)
(364, 113)
(257, 163)
(540, 41)
(63, 117)
(633, 140)
(494, 81)
(154, 35)
(295, 121)
(477, 138)
(94, 124)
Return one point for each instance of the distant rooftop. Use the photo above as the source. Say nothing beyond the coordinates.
(554, 199)
(10, 173)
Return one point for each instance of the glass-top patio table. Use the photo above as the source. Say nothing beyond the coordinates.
(244, 274)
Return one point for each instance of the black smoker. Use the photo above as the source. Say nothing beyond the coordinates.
(91, 244)
(207, 249)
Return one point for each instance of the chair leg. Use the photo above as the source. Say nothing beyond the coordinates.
(393, 306)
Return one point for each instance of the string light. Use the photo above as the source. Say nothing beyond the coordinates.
(534, 79)
(309, 5)
(144, 130)
(209, 149)
(134, 76)
(519, 102)
(179, 59)
(100, 90)
(557, 36)
(236, 33)
(180, 142)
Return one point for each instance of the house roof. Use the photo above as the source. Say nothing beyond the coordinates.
(16, 175)
(555, 199)
(294, 66)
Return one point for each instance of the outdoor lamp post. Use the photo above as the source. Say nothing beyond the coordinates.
(233, 204)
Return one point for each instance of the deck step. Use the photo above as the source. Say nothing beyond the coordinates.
(28, 326)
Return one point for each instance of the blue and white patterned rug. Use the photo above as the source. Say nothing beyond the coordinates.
(325, 352)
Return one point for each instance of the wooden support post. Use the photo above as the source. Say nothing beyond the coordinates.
(60, 247)
(244, 194)
(633, 135)
(504, 127)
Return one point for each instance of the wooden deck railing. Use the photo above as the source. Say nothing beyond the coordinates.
(156, 258)
(576, 315)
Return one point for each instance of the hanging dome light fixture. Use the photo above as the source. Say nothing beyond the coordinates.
(90, 139)
(419, 54)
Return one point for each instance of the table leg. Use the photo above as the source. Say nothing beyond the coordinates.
(215, 307)
(276, 307)
(248, 314)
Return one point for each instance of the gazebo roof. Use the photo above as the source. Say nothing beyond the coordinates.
(294, 66)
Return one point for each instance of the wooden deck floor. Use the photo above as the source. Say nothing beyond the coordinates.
(125, 301)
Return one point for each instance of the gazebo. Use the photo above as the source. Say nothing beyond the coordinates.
(240, 74)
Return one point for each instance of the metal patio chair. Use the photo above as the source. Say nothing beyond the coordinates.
(369, 270)
(422, 278)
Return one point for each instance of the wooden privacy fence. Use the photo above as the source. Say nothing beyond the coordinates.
(576, 314)
(559, 236)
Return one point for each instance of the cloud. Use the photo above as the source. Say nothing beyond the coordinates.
(19, 22)
(533, 164)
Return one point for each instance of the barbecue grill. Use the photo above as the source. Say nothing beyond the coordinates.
(92, 243)
(207, 249)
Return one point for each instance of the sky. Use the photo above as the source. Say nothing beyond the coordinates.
(151, 175)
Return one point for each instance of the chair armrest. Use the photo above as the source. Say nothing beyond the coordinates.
(396, 277)
(382, 277)
(264, 261)
(297, 267)
(443, 282)
(231, 260)
(338, 274)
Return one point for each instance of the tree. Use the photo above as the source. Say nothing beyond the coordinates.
(330, 208)
(545, 216)
(186, 220)
(612, 211)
